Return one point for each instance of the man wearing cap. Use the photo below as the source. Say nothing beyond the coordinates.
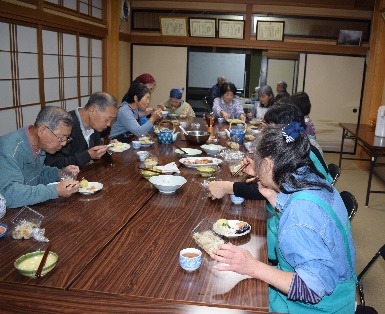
(175, 104)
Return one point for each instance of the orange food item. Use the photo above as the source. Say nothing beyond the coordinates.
(2, 229)
(91, 188)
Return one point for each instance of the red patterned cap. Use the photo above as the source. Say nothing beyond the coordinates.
(145, 78)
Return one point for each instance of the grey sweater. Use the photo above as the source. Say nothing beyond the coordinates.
(24, 179)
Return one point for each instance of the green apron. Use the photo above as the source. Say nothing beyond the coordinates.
(320, 168)
(342, 300)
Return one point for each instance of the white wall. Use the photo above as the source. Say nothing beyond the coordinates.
(168, 65)
(281, 70)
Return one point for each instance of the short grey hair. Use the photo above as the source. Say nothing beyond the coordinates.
(52, 117)
(101, 100)
(282, 84)
(221, 78)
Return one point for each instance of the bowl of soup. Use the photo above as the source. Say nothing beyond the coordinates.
(28, 264)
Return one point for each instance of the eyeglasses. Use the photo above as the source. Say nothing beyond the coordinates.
(61, 140)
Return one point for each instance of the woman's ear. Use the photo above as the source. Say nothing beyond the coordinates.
(136, 98)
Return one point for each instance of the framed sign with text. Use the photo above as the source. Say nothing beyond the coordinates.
(202, 27)
(176, 26)
(267, 30)
(234, 29)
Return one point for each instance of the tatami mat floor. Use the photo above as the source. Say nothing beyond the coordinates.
(368, 227)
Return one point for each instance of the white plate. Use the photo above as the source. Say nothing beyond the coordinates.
(231, 232)
(212, 161)
(89, 190)
(147, 145)
(189, 151)
(119, 147)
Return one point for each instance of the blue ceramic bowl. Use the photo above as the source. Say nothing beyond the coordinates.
(3, 230)
(190, 259)
(236, 200)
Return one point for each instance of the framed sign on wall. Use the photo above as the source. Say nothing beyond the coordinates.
(267, 30)
(176, 26)
(234, 29)
(202, 27)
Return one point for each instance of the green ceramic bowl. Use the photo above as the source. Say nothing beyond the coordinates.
(206, 171)
(28, 264)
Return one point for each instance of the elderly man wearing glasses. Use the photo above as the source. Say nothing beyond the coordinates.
(86, 143)
(24, 178)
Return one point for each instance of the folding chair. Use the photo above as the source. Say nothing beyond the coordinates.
(362, 308)
(334, 171)
(350, 202)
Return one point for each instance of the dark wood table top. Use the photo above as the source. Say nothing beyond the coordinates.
(126, 238)
(366, 134)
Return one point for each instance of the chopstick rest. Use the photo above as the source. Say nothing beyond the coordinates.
(43, 260)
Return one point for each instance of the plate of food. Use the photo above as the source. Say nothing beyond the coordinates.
(231, 228)
(234, 121)
(189, 151)
(146, 143)
(87, 188)
(118, 147)
(195, 162)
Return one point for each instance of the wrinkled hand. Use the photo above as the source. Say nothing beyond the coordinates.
(270, 194)
(242, 117)
(250, 169)
(156, 115)
(225, 115)
(97, 152)
(66, 188)
(74, 170)
(238, 259)
(218, 189)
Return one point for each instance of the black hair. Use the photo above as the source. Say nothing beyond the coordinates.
(284, 114)
(302, 101)
(228, 87)
(101, 100)
(266, 90)
(136, 89)
(52, 116)
(287, 158)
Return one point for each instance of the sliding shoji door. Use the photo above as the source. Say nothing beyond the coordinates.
(19, 76)
(70, 70)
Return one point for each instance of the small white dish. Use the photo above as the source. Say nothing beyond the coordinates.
(147, 144)
(91, 188)
(167, 184)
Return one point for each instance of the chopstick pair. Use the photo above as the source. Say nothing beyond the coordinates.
(152, 170)
(180, 149)
(240, 169)
(43, 260)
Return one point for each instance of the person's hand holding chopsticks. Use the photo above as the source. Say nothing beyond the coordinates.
(250, 168)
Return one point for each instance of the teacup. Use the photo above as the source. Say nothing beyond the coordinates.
(142, 155)
(136, 144)
(190, 259)
(236, 199)
(221, 120)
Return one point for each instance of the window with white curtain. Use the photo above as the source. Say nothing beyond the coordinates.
(71, 70)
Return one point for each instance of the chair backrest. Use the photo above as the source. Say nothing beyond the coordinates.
(350, 202)
(334, 171)
(206, 104)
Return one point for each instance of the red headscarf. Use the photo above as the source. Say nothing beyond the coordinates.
(145, 78)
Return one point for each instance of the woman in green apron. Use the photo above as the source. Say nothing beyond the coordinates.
(316, 255)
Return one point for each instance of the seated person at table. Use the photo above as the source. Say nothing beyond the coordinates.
(24, 176)
(281, 91)
(127, 126)
(175, 105)
(215, 91)
(265, 101)
(316, 254)
(86, 144)
(149, 81)
(302, 101)
(226, 106)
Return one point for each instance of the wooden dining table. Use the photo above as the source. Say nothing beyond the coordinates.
(119, 248)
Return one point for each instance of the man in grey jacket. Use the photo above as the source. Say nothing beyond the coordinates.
(24, 178)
